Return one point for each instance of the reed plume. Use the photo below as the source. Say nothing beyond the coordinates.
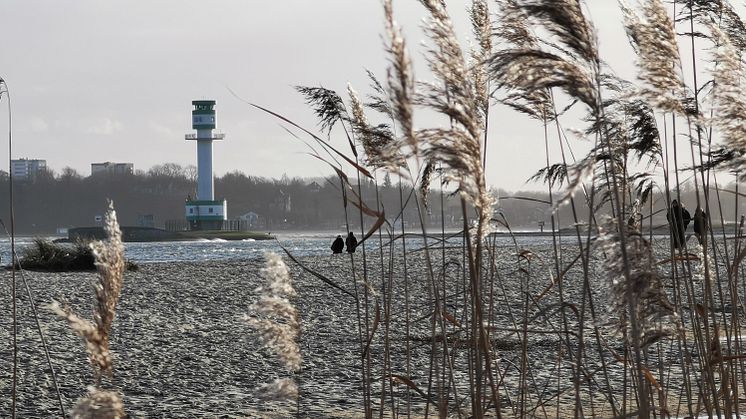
(279, 389)
(512, 26)
(99, 404)
(427, 174)
(528, 67)
(110, 263)
(653, 38)
(359, 123)
(377, 141)
(641, 289)
(458, 149)
(384, 147)
(715, 12)
(400, 82)
(379, 100)
(728, 98)
(277, 321)
(482, 29)
(513, 31)
(330, 110)
(566, 21)
(453, 94)
(327, 105)
(630, 129)
(531, 71)
(628, 121)
(555, 174)
(95, 344)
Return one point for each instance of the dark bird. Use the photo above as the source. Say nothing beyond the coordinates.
(700, 225)
(678, 220)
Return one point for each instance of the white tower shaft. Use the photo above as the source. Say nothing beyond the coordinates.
(205, 183)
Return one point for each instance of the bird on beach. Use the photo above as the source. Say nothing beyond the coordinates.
(700, 224)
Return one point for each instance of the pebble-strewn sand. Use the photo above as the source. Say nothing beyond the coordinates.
(181, 347)
(182, 350)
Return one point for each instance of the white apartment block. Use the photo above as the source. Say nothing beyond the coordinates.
(112, 168)
(27, 168)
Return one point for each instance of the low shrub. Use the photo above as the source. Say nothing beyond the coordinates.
(44, 255)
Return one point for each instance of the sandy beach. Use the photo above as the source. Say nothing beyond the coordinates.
(181, 348)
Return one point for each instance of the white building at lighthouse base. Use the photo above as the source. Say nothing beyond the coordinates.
(206, 215)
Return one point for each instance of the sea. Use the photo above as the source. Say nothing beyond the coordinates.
(299, 244)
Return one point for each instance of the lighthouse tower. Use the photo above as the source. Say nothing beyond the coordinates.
(205, 212)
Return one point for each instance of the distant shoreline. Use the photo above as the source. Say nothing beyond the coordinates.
(149, 234)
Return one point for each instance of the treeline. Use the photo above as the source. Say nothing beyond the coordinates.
(525, 210)
(68, 199)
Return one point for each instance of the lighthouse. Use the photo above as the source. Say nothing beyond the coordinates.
(204, 212)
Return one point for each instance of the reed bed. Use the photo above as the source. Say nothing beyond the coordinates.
(611, 321)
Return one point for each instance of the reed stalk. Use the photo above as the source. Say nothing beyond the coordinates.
(111, 265)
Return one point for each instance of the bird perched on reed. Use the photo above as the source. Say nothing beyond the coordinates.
(700, 224)
(678, 220)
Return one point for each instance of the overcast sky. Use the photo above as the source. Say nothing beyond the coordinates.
(102, 80)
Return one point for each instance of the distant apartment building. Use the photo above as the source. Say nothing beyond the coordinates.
(24, 169)
(112, 168)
